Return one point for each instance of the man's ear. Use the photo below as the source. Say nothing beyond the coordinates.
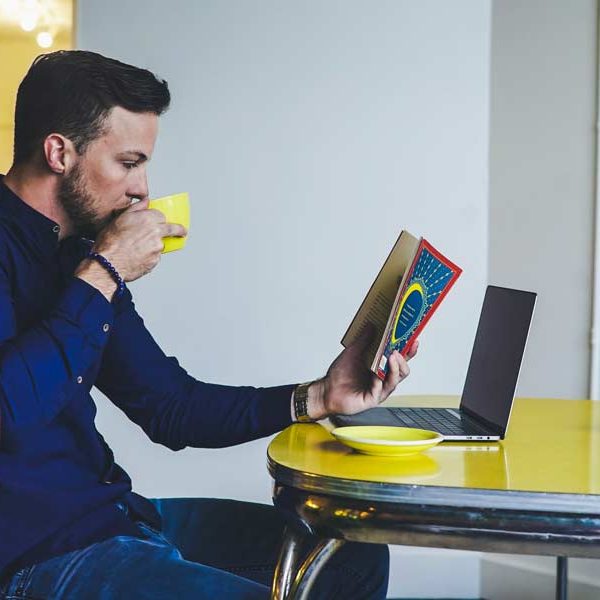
(59, 153)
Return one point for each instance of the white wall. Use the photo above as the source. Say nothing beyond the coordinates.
(542, 158)
(542, 135)
(508, 577)
(309, 134)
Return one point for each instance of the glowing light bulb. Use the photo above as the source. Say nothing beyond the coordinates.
(44, 39)
(28, 22)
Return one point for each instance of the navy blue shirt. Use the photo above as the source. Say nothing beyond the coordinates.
(59, 484)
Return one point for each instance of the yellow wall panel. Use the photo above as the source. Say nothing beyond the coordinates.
(18, 49)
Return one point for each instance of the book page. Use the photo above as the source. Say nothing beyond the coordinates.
(377, 314)
(379, 301)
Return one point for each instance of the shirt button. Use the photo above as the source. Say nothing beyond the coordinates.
(80, 379)
(105, 327)
(56, 228)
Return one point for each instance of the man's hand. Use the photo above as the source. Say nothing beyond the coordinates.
(132, 243)
(349, 387)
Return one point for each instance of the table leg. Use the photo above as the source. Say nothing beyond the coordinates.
(561, 577)
(300, 560)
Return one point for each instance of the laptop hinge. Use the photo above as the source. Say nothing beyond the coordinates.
(494, 427)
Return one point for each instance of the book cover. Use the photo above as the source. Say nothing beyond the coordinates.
(423, 287)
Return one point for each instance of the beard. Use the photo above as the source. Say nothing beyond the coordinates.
(79, 205)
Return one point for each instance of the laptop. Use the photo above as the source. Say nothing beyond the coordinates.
(491, 380)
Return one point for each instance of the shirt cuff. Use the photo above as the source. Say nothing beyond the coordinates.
(88, 307)
(276, 402)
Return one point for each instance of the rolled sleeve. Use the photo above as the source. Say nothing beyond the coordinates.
(91, 310)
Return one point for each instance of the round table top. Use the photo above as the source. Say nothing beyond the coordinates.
(549, 459)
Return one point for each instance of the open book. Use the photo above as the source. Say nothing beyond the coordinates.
(410, 286)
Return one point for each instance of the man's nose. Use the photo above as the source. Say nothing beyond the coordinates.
(139, 186)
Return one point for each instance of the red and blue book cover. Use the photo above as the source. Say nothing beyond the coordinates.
(430, 278)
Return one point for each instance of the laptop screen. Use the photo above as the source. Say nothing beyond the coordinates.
(497, 354)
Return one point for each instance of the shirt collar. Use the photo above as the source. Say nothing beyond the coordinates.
(41, 230)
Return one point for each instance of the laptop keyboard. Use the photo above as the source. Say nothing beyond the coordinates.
(437, 419)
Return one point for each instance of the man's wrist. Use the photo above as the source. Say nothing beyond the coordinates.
(97, 276)
(307, 402)
(316, 400)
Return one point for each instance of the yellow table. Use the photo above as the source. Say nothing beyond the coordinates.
(537, 492)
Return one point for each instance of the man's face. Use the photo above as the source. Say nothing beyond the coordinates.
(110, 172)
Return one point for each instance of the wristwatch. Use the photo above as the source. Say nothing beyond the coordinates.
(301, 402)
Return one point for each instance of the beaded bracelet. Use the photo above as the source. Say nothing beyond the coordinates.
(113, 272)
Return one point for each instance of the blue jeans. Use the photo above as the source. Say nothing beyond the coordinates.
(208, 549)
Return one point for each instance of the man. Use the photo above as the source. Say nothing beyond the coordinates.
(70, 525)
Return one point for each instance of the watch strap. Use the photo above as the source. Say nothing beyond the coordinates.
(301, 403)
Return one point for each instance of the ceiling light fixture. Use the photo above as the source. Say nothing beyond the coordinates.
(44, 39)
(43, 18)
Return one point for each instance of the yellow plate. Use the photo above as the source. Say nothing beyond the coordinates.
(387, 441)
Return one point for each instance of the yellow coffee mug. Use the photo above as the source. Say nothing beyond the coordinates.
(176, 209)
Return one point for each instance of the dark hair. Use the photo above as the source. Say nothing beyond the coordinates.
(71, 92)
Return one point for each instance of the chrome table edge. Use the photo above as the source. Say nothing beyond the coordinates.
(407, 493)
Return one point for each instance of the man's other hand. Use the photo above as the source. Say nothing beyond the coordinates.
(350, 387)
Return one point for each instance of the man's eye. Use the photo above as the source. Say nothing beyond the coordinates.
(130, 165)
